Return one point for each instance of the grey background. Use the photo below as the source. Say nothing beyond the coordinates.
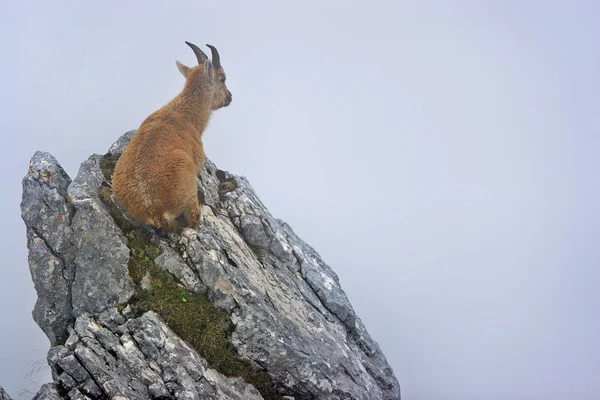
(441, 156)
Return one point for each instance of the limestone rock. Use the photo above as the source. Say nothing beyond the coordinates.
(102, 255)
(139, 358)
(288, 316)
(47, 214)
(48, 391)
(3, 394)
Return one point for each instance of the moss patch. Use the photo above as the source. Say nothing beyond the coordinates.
(191, 316)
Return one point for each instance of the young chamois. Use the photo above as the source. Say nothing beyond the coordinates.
(155, 177)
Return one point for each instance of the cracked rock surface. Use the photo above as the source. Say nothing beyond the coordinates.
(138, 358)
(289, 314)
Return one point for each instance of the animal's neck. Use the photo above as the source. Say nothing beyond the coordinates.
(194, 104)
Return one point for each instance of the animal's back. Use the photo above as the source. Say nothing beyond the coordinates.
(155, 177)
(130, 186)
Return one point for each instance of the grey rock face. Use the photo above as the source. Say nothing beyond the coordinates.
(3, 394)
(289, 314)
(101, 277)
(77, 256)
(47, 215)
(139, 358)
(48, 391)
(118, 147)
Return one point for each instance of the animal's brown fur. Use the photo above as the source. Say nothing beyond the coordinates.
(155, 177)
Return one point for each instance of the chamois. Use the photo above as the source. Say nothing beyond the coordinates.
(155, 178)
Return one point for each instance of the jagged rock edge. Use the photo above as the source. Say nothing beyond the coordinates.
(351, 330)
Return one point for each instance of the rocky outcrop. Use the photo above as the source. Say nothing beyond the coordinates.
(238, 308)
(3, 394)
(48, 391)
(47, 214)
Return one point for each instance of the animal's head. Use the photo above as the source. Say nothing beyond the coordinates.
(211, 73)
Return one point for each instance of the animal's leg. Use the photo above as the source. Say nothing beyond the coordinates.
(191, 212)
(191, 215)
(178, 185)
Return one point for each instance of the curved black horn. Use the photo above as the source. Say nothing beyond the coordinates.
(216, 60)
(199, 53)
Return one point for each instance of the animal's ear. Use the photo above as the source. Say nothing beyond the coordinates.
(208, 69)
(185, 70)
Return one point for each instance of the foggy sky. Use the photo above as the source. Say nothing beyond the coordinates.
(442, 157)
